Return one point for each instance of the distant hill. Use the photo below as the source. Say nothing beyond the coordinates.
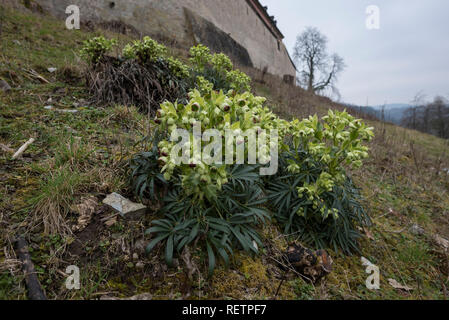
(392, 112)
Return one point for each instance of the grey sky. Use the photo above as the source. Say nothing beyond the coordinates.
(408, 54)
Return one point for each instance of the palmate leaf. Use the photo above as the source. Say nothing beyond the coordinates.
(221, 224)
(311, 227)
(155, 241)
(242, 174)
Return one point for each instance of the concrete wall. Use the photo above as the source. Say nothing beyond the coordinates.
(167, 17)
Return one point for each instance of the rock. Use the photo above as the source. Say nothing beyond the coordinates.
(140, 265)
(52, 70)
(416, 230)
(135, 256)
(4, 86)
(124, 206)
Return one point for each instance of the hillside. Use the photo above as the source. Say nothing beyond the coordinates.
(83, 154)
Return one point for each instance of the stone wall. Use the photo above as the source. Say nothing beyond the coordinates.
(168, 18)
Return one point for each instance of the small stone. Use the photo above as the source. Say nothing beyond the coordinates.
(140, 265)
(124, 206)
(51, 70)
(135, 256)
(416, 230)
(4, 86)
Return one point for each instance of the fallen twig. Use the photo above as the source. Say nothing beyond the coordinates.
(36, 75)
(35, 291)
(5, 148)
(22, 149)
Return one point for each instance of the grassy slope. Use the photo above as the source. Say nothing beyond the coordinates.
(82, 154)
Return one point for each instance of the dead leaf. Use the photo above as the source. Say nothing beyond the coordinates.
(85, 210)
(190, 265)
(109, 223)
(443, 243)
(397, 285)
(6, 149)
(368, 234)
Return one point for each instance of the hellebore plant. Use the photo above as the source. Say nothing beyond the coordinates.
(335, 142)
(204, 172)
(215, 194)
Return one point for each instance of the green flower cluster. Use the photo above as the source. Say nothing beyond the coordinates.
(146, 50)
(239, 81)
(203, 85)
(206, 69)
(95, 49)
(178, 68)
(222, 63)
(230, 112)
(334, 142)
(201, 59)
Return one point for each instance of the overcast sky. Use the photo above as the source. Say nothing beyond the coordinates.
(409, 53)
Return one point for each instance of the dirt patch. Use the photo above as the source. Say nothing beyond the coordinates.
(90, 234)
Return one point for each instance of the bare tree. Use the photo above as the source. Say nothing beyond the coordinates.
(410, 119)
(319, 70)
(429, 117)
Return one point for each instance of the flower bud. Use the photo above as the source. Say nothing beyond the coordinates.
(195, 107)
